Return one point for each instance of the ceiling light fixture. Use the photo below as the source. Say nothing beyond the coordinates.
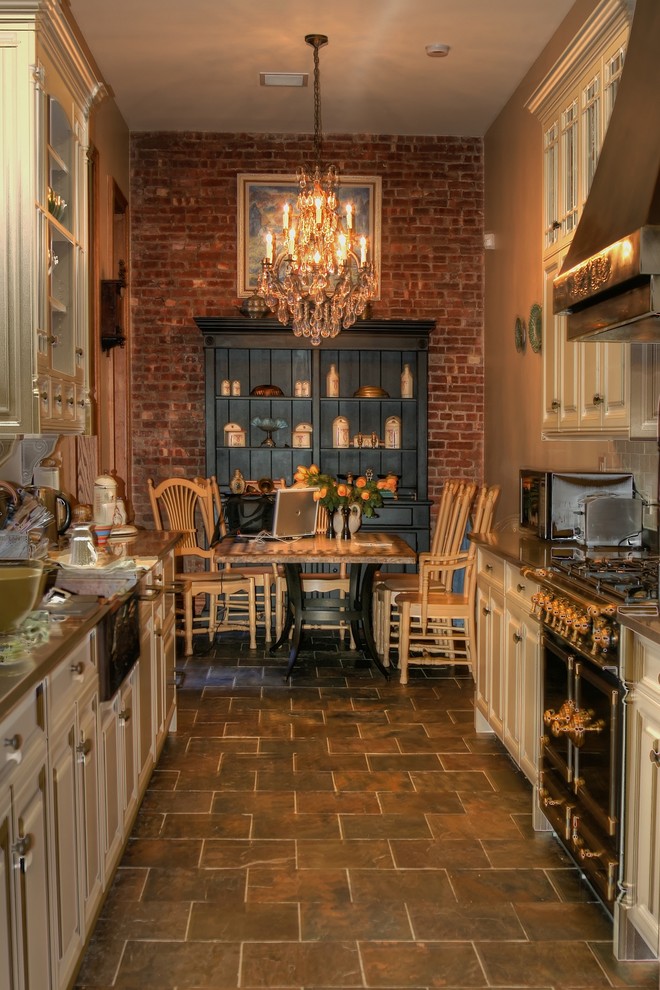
(315, 280)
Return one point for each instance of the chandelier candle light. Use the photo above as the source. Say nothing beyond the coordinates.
(315, 281)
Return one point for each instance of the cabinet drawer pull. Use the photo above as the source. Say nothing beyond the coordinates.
(77, 669)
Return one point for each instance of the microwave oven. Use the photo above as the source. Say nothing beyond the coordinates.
(552, 503)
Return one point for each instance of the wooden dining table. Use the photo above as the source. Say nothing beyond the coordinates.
(364, 554)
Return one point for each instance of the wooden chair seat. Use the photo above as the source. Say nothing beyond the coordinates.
(187, 507)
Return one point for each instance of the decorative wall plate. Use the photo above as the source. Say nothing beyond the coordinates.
(535, 328)
(519, 334)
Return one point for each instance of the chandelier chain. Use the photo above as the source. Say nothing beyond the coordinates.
(317, 104)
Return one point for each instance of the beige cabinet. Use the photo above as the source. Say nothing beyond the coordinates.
(489, 701)
(25, 938)
(637, 915)
(157, 677)
(119, 728)
(645, 391)
(48, 87)
(522, 673)
(586, 386)
(75, 800)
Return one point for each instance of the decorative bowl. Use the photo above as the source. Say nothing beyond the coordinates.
(267, 390)
(21, 587)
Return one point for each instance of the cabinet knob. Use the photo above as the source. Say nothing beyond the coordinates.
(654, 757)
(79, 352)
(124, 716)
(53, 340)
(520, 587)
(77, 669)
(81, 403)
(83, 750)
(517, 638)
(485, 610)
(489, 567)
(70, 401)
(598, 399)
(555, 405)
(22, 845)
(58, 398)
(13, 742)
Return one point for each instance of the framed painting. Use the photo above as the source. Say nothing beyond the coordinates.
(261, 200)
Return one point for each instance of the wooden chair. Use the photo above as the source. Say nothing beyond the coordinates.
(437, 622)
(264, 576)
(188, 508)
(451, 519)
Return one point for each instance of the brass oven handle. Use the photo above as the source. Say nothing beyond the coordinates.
(549, 802)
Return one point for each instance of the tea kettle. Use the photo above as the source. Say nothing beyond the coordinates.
(59, 507)
(8, 496)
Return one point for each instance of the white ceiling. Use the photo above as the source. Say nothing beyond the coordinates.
(195, 65)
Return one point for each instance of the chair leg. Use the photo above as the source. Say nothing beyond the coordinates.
(404, 641)
(188, 618)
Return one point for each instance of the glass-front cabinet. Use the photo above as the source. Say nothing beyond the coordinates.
(356, 404)
(47, 93)
(586, 385)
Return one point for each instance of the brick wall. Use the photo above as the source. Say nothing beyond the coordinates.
(183, 264)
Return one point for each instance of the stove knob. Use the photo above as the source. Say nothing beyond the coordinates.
(608, 610)
(582, 624)
(593, 611)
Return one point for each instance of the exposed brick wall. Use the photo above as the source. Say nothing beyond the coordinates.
(183, 264)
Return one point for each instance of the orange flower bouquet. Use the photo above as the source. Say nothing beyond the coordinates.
(334, 494)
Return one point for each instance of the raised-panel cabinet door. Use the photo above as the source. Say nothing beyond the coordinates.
(67, 928)
(128, 718)
(8, 967)
(511, 681)
(30, 864)
(615, 368)
(111, 787)
(530, 699)
(484, 662)
(496, 707)
(91, 859)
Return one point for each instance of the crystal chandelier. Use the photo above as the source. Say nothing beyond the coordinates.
(315, 279)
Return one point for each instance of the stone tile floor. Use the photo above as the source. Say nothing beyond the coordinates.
(342, 831)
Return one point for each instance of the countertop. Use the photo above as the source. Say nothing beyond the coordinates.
(525, 550)
(16, 679)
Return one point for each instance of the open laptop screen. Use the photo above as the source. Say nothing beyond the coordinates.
(295, 513)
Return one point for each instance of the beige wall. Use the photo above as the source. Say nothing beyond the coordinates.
(513, 213)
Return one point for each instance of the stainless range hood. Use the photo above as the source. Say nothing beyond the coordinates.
(609, 283)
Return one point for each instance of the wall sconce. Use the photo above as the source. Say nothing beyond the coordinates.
(112, 310)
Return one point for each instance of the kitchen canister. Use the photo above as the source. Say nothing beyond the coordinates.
(393, 432)
(340, 432)
(105, 493)
(332, 383)
(302, 435)
(406, 382)
(234, 435)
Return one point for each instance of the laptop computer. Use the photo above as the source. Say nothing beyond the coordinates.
(294, 516)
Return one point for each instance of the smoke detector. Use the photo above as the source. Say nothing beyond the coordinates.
(437, 50)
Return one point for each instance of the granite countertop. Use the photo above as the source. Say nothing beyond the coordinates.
(16, 679)
(525, 550)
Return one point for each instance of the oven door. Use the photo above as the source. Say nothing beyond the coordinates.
(118, 644)
(557, 755)
(597, 744)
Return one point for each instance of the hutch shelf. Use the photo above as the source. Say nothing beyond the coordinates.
(250, 353)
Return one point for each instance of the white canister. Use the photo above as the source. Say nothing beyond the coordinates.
(105, 490)
(302, 435)
(406, 382)
(234, 435)
(340, 432)
(332, 383)
(393, 432)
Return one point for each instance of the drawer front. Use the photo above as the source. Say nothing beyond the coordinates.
(21, 730)
(492, 567)
(70, 678)
(519, 587)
